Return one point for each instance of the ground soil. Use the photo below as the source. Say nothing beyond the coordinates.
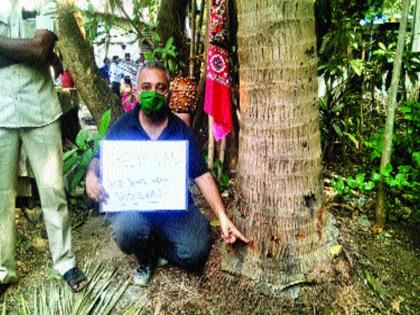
(373, 274)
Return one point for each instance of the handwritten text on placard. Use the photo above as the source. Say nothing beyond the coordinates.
(144, 175)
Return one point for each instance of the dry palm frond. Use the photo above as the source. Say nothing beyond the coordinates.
(98, 298)
(4, 308)
(136, 307)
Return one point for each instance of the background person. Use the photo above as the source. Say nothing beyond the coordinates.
(29, 116)
(128, 97)
(104, 70)
(115, 75)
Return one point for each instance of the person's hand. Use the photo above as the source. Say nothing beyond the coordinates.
(229, 231)
(44, 42)
(5, 62)
(94, 188)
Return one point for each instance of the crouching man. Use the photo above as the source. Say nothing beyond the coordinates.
(182, 238)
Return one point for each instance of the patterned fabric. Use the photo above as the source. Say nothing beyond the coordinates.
(115, 72)
(27, 97)
(217, 97)
(128, 68)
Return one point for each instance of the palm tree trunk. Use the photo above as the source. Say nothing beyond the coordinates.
(280, 204)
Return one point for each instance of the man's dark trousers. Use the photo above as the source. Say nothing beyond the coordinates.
(182, 237)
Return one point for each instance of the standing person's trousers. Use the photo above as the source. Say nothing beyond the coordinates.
(44, 150)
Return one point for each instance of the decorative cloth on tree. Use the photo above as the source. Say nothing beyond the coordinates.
(217, 102)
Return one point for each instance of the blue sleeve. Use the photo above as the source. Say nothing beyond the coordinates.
(197, 165)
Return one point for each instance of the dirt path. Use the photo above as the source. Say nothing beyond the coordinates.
(383, 278)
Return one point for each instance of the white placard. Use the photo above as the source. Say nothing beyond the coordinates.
(144, 175)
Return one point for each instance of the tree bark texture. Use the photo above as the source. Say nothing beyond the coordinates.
(280, 206)
(171, 19)
(79, 58)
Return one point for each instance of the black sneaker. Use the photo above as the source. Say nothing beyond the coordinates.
(142, 275)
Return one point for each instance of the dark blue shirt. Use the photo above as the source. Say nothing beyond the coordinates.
(128, 127)
(105, 72)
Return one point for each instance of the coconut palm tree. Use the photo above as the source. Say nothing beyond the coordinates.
(280, 201)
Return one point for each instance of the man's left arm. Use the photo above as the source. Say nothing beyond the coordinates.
(33, 51)
(37, 50)
(209, 189)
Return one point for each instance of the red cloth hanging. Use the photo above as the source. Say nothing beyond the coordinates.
(217, 101)
(66, 79)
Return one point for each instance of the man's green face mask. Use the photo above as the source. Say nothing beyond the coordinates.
(152, 102)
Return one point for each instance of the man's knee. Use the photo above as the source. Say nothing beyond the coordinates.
(129, 235)
(195, 255)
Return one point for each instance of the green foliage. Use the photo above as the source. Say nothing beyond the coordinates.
(356, 66)
(167, 54)
(341, 71)
(342, 107)
(406, 143)
(143, 24)
(348, 186)
(362, 183)
(78, 158)
(374, 285)
(224, 182)
(142, 19)
(150, 6)
(382, 61)
(375, 145)
(92, 21)
(403, 182)
(355, 63)
(104, 123)
(402, 177)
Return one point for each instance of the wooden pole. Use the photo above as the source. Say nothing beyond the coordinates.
(389, 125)
(416, 28)
(108, 32)
(210, 160)
(416, 46)
(200, 27)
(211, 141)
(193, 35)
(221, 158)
